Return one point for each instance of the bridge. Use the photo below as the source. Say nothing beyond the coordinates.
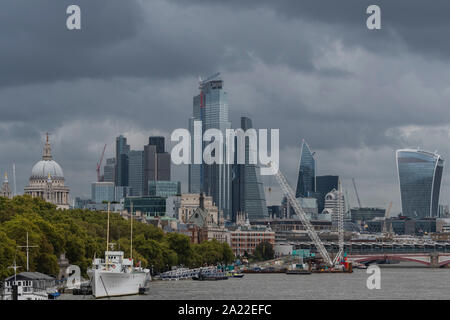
(434, 255)
(433, 260)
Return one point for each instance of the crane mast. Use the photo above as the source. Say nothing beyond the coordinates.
(289, 193)
(340, 225)
(99, 165)
(356, 192)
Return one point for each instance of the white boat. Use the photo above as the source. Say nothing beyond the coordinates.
(116, 276)
(29, 286)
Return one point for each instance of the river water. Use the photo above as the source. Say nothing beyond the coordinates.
(396, 283)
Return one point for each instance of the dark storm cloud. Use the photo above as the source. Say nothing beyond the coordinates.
(310, 68)
(421, 25)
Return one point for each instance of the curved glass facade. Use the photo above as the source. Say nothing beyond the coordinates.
(306, 173)
(420, 175)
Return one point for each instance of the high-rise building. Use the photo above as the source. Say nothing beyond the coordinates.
(420, 174)
(122, 150)
(102, 192)
(156, 162)
(334, 204)
(306, 183)
(247, 189)
(136, 172)
(324, 184)
(210, 106)
(158, 142)
(109, 170)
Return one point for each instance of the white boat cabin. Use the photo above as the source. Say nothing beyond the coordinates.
(30, 286)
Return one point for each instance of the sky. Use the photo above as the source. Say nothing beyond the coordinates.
(310, 68)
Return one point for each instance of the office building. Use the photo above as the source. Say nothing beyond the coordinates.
(109, 171)
(334, 205)
(147, 206)
(136, 172)
(102, 192)
(245, 239)
(324, 184)
(420, 174)
(122, 150)
(156, 162)
(121, 192)
(247, 189)
(164, 188)
(306, 173)
(211, 108)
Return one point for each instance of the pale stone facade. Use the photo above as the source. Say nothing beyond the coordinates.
(5, 191)
(47, 181)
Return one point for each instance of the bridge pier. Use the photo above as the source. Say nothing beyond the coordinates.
(434, 260)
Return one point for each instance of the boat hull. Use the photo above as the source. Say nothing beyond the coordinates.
(112, 284)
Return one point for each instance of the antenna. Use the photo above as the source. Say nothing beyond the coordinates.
(14, 179)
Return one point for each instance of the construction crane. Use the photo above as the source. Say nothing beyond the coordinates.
(99, 165)
(356, 191)
(289, 193)
(203, 81)
(386, 217)
(340, 226)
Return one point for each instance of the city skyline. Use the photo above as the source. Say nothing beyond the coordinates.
(315, 83)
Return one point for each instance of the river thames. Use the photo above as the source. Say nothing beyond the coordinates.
(396, 283)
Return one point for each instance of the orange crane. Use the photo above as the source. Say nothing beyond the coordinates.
(99, 165)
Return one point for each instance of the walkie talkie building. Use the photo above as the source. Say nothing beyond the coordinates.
(420, 175)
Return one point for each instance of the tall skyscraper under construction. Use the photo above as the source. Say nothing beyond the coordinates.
(210, 106)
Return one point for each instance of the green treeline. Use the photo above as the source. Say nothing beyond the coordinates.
(81, 235)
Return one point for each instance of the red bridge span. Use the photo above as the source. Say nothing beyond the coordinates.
(433, 260)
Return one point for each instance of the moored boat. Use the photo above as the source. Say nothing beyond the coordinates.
(115, 275)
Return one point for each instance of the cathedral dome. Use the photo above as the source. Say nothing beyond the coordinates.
(47, 167)
(44, 168)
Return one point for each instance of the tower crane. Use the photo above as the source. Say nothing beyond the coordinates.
(386, 216)
(356, 191)
(340, 225)
(289, 193)
(99, 164)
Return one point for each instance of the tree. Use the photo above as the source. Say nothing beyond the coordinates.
(264, 251)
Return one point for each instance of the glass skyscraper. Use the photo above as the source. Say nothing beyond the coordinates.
(324, 184)
(136, 172)
(247, 188)
(210, 106)
(420, 175)
(306, 173)
(122, 150)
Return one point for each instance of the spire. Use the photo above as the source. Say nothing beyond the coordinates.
(47, 150)
(6, 177)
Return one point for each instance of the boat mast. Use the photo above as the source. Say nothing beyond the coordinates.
(15, 267)
(28, 252)
(131, 243)
(107, 241)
